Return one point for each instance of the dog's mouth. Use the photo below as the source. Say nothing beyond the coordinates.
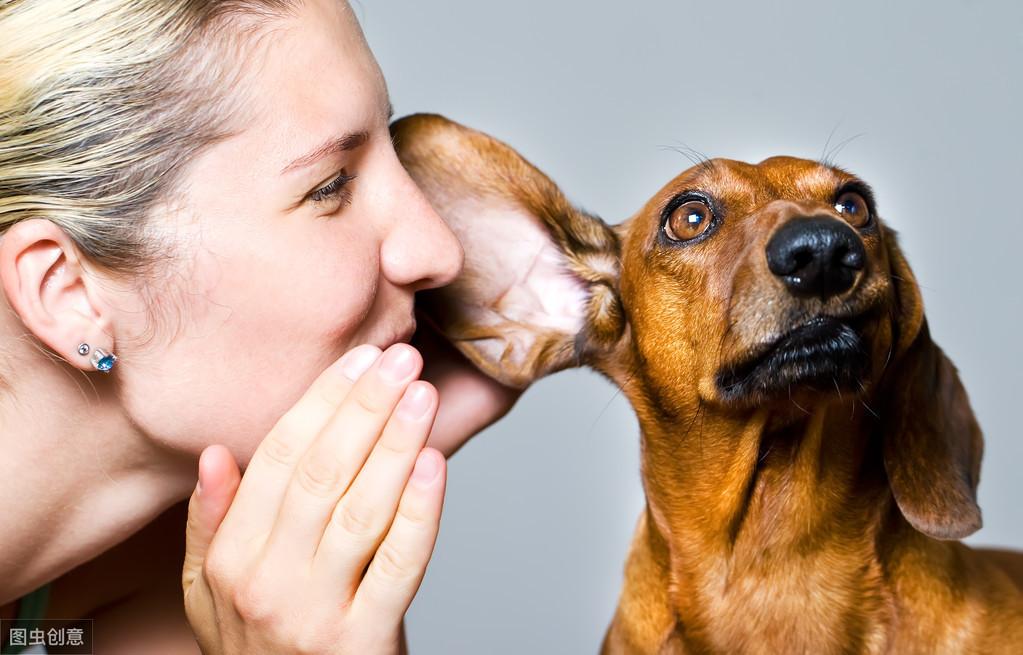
(825, 353)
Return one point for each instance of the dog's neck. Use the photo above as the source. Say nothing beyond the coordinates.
(751, 510)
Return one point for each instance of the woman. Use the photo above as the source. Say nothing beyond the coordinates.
(202, 212)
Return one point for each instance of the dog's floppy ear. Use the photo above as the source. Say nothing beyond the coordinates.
(539, 289)
(932, 442)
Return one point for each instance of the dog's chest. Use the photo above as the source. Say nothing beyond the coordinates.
(808, 603)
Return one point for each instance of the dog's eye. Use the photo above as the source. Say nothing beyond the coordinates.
(853, 209)
(688, 221)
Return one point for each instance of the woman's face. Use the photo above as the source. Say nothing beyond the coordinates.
(299, 237)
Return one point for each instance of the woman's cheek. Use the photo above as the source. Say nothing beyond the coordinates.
(347, 288)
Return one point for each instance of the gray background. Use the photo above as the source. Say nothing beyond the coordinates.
(540, 507)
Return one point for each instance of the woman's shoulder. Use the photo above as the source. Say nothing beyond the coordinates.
(132, 592)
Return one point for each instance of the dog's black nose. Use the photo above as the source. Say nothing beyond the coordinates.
(816, 256)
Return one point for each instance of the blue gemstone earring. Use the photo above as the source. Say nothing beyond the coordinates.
(101, 360)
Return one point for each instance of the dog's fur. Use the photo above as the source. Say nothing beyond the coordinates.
(805, 506)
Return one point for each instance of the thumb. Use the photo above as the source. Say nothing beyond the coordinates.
(218, 481)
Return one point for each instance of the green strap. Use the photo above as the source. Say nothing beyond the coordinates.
(31, 607)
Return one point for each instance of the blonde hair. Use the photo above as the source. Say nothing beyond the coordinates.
(102, 102)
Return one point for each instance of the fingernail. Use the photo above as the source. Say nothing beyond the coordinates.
(358, 360)
(414, 402)
(426, 469)
(397, 363)
(198, 487)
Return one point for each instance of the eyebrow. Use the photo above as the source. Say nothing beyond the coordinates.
(349, 141)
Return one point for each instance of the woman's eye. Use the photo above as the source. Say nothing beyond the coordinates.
(853, 208)
(688, 221)
(336, 188)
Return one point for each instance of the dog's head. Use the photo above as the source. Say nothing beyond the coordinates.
(739, 285)
(760, 284)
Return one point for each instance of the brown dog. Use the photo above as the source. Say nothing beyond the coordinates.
(808, 453)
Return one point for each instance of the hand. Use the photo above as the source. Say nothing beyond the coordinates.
(469, 399)
(322, 544)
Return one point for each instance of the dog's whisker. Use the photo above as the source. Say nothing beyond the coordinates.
(763, 456)
(891, 343)
(902, 279)
(678, 442)
(701, 414)
(868, 408)
(695, 157)
(824, 153)
(793, 400)
(619, 389)
(864, 403)
(830, 157)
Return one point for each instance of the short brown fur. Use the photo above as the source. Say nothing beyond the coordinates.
(814, 520)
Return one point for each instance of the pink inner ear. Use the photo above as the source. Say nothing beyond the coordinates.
(515, 278)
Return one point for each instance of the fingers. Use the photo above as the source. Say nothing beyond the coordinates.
(273, 463)
(366, 510)
(218, 482)
(397, 569)
(334, 458)
(351, 447)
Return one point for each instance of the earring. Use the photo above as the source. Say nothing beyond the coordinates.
(101, 360)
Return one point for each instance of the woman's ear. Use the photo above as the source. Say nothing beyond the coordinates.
(539, 288)
(45, 285)
(932, 442)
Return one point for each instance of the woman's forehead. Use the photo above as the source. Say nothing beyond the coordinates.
(311, 77)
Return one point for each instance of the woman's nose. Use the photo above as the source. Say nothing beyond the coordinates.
(420, 250)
